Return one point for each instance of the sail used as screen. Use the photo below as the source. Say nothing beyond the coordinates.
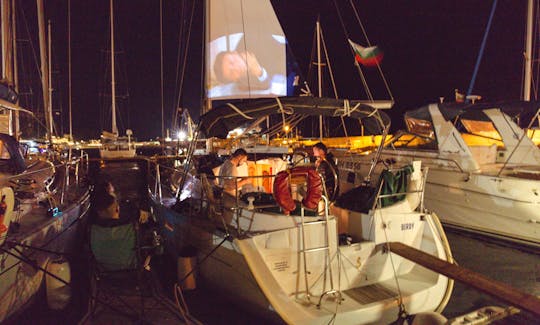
(245, 50)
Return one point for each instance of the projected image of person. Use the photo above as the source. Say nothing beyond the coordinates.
(240, 67)
(246, 51)
(243, 73)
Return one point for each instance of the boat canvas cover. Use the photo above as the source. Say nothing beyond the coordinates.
(220, 120)
(522, 110)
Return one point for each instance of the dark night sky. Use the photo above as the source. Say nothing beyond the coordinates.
(430, 48)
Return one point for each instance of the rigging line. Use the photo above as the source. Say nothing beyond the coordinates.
(312, 57)
(204, 103)
(281, 110)
(198, 265)
(360, 72)
(161, 66)
(182, 77)
(25, 259)
(330, 71)
(387, 245)
(369, 44)
(360, 22)
(245, 45)
(21, 14)
(39, 249)
(292, 121)
(237, 110)
(179, 54)
(535, 42)
(482, 47)
(179, 73)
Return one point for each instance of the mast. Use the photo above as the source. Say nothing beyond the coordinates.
(161, 65)
(6, 42)
(207, 102)
(7, 55)
(69, 72)
(50, 74)
(44, 69)
(113, 87)
(527, 79)
(319, 73)
(16, 126)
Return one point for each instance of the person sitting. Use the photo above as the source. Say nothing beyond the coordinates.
(112, 240)
(230, 183)
(327, 169)
(227, 173)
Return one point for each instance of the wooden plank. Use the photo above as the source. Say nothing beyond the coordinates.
(476, 280)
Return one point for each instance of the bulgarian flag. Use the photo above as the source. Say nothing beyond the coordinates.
(367, 56)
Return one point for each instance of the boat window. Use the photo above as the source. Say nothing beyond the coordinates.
(413, 141)
(482, 128)
(421, 127)
(4, 153)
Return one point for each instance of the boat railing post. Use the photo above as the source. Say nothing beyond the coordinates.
(77, 171)
(424, 181)
(302, 232)
(157, 183)
(65, 182)
(378, 200)
(237, 209)
(68, 164)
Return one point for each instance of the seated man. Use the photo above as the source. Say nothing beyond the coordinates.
(327, 168)
(232, 185)
(228, 169)
(113, 241)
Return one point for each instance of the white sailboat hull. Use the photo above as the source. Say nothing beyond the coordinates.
(265, 269)
(365, 277)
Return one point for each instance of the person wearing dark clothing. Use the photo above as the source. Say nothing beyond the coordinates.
(327, 168)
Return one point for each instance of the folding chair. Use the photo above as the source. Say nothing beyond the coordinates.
(122, 288)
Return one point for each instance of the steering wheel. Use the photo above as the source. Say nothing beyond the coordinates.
(299, 152)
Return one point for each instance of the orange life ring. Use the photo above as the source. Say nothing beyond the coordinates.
(282, 188)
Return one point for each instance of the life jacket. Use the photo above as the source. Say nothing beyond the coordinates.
(282, 188)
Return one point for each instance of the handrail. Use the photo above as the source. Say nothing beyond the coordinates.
(457, 165)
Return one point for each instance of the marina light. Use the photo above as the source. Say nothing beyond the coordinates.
(286, 128)
(236, 132)
(182, 135)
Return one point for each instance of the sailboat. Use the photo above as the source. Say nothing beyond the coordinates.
(43, 201)
(275, 245)
(113, 146)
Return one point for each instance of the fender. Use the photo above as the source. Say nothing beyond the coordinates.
(282, 188)
(7, 202)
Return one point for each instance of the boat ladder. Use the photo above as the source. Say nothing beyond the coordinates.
(328, 258)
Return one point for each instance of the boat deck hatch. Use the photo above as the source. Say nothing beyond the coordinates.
(370, 294)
